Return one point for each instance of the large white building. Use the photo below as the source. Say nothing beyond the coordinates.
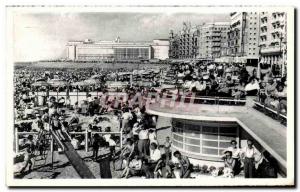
(89, 50)
(160, 49)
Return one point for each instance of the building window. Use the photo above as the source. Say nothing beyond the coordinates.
(208, 140)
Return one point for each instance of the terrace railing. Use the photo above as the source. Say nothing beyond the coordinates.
(76, 96)
(85, 133)
(205, 99)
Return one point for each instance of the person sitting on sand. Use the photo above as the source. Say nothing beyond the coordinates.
(134, 167)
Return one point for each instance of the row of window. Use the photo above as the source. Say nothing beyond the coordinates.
(203, 140)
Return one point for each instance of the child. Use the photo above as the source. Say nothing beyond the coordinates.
(29, 153)
(57, 127)
(152, 136)
(74, 142)
(167, 145)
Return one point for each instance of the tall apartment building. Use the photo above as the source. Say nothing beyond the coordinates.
(272, 40)
(213, 40)
(173, 45)
(243, 37)
(184, 45)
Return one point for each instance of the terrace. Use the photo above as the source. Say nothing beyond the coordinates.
(269, 133)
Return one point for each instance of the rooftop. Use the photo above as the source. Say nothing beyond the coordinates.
(271, 134)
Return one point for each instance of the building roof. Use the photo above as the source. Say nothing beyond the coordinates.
(270, 133)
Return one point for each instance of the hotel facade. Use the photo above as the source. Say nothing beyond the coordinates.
(243, 37)
(272, 40)
(117, 50)
(213, 40)
(185, 43)
(201, 41)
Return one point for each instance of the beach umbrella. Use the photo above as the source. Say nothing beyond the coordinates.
(79, 83)
(156, 71)
(116, 84)
(146, 83)
(205, 77)
(40, 84)
(40, 79)
(168, 86)
(92, 81)
(58, 83)
(228, 70)
(124, 73)
(96, 76)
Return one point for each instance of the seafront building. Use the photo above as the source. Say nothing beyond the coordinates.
(272, 40)
(243, 37)
(117, 50)
(185, 43)
(200, 41)
(213, 40)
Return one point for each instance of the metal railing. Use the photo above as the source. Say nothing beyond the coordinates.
(85, 133)
(197, 100)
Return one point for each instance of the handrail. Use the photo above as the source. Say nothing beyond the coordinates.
(57, 140)
(69, 137)
(208, 98)
(270, 109)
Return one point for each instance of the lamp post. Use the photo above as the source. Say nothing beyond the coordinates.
(140, 60)
(259, 62)
(281, 54)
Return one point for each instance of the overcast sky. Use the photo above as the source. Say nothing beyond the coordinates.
(44, 35)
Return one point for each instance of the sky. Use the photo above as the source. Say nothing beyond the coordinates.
(41, 36)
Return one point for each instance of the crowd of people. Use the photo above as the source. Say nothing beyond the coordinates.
(253, 163)
(273, 93)
(142, 154)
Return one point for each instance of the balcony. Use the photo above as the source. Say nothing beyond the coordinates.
(264, 24)
(264, 16)
(276, 29)
(275, 41)
(263, 33)
(262, 43)
(216, 39)
(270, 49)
